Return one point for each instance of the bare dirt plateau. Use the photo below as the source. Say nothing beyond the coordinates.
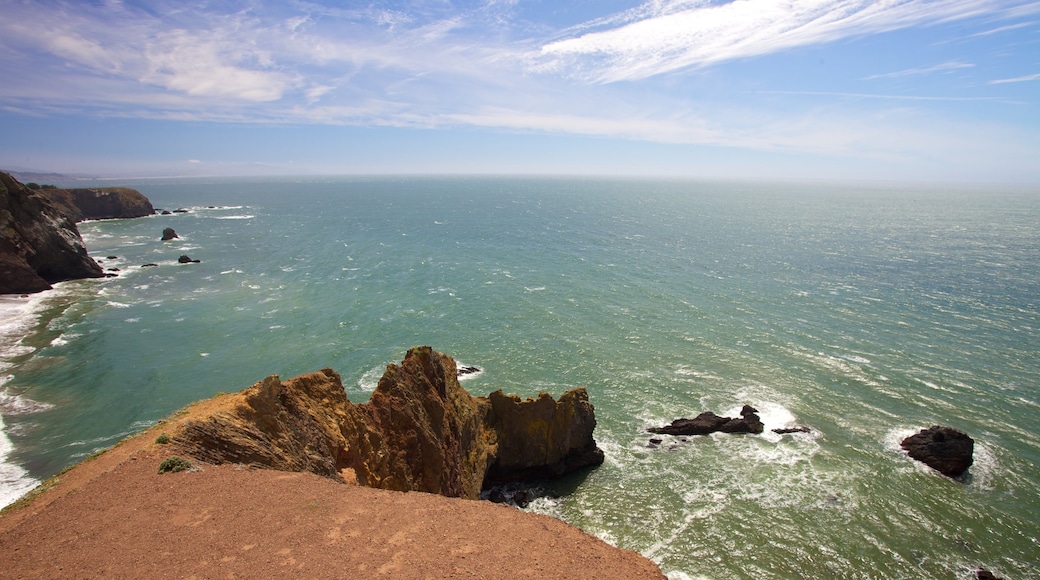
(114, 516)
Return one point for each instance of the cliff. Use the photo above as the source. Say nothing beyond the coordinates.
(420, 431)
(101, 203)
(39, 244)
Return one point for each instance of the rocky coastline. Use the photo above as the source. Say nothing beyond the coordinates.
(281, 478)
(39, 242)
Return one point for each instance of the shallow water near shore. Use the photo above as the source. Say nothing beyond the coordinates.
(862, 312)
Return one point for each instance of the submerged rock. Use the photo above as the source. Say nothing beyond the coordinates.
(786, 430)
(708, 422)
(420, 431)
(944, 449)
(185, 259)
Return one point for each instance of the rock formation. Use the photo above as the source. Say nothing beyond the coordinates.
(39, 244)
(708, 422)
(542, 438)
(944, 449)
(186, 259)
(420, 431)
(168, 234)
(101, 203)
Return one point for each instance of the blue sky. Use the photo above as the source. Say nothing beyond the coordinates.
(762, 89)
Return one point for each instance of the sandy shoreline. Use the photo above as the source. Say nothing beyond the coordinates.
(114, 516)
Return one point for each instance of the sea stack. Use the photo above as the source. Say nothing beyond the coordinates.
(168, 234)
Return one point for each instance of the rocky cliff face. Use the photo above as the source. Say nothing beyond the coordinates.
(420, 431)
(39, 244)
(101, 203)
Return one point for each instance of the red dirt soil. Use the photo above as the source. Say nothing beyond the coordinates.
(115, 517)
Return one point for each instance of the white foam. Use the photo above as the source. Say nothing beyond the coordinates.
(14, 481)
(236, 217)
(370, 380)
(11, 404)
(468, 376)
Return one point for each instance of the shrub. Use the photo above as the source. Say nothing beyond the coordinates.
(174, 464)
(162, 439)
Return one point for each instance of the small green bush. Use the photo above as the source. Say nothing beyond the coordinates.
(174, 464)
(162, 439)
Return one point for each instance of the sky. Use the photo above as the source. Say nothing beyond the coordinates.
(904, 90)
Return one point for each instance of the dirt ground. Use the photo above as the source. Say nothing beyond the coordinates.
(115, 517)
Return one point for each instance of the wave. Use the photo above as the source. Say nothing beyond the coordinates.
(14, 480)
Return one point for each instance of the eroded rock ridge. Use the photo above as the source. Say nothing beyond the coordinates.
(420, 431)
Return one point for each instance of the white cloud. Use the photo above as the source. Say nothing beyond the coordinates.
(201, 64)
(669, 35)
(1021, 79)
(946, 66)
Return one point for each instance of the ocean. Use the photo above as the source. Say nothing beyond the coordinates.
(864, 312)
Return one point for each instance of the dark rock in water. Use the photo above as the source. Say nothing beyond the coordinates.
(708, 422)
(468, 370)
(522, 499)
(39, 242)
(169, 234)
(184, 259)
(167, 212)
(149, 265)
(786, 430)
(111, 257)
(654, 442)
(944, 449)
(984, 574)
(497, 496)
(181, 210)
(113, 269)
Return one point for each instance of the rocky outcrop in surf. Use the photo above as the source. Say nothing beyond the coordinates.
(708, 422)
(39, 244)
(168, 234)
(944, 449)
(101, 203)
(420, 431)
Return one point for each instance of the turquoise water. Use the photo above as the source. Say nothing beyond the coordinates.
(863, 312)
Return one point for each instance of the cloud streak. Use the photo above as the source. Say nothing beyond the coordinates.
(671, 35)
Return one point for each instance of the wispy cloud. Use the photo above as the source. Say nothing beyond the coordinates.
(668, 35)
(944, 67)
(1021, 79)
(885, 97)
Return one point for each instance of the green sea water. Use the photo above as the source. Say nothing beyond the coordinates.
(863, 312)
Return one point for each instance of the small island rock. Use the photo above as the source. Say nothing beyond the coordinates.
(169, 234)
(708, 422)
(185, 259)
(944, 449)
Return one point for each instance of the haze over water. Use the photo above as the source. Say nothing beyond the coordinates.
(862, 312)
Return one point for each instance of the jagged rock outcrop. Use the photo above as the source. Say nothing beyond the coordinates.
(708, 422)
(39, 244)
(944, 449)
(101, 203)
(290, 426)
(420, 431)
(168, 234)
(542, 438)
